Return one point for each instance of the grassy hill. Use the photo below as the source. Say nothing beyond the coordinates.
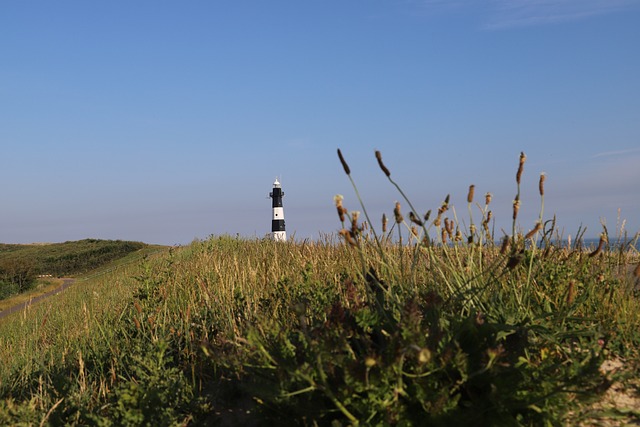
(68, 258)
(21, 264)
(230, 331)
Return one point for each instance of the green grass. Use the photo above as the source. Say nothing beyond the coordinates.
(68, 258)
(45, 285)
(20, 265)
(297, 329)
(354, 329)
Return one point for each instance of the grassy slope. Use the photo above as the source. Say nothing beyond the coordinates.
(294, 329)
(68, 258)
(45, 285)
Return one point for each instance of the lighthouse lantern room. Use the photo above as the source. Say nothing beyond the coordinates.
(277, 221)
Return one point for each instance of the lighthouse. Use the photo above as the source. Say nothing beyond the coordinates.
(277, 221)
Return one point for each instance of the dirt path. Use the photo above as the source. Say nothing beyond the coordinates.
(65, 284)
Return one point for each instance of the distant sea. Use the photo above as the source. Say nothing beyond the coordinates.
(593, 243)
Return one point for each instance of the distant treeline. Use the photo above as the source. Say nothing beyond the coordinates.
(21, 264)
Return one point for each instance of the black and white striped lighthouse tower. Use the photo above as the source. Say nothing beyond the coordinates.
(277, 222)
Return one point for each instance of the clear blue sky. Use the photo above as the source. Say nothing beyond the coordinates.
(165, 121)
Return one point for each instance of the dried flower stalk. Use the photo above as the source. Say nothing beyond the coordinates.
(505, 245)
(487, 198)
(397, 214)
(415, 219)
(382, 166)
(344, 163)
(535, 229)
(523, 158)
(600, 247)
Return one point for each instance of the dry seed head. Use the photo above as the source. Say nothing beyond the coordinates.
(487, 198)
(543, 177)
(427, 215)
(344, 163)
(445, 206)
(397, 214)
(384, 223)
(472, 189)
(448, 225)
(438, 221)
(348, 236)
(603, 239)
(636, 271)
(341, 212)
(382, 166)
(414, 231)
(505, 245)
(535, 229)
(415, 219)
(516, 207)
(523, 158)
(458, 237)
(354, 221)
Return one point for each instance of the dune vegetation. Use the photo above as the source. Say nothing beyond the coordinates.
(417, 321)
(21, 265)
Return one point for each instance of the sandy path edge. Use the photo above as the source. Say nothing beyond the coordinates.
(66, 282)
